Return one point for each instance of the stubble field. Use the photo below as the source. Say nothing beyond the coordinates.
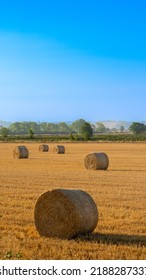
(119, 193)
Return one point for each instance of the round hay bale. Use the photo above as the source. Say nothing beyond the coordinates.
(65, 213)
(96, 161)
(59, 149)
(43, 148)
(21, 152)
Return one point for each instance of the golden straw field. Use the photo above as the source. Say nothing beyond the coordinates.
(119, 193)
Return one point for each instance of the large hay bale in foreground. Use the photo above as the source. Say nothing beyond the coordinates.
(59, 149)
(43, 148)
(96, 161)
(65, 213)
(21, 152)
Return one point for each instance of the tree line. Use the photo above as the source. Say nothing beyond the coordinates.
(79, 127)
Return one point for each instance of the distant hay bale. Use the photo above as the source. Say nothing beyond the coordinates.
(96, 161)
(65, 213)
(43, 148)
(21, 152)
(59, 149)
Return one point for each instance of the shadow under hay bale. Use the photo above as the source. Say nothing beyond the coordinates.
(59, 149)
(110, 238)
(21, 152)
(96, 161)
(65, 213)
(43, 148)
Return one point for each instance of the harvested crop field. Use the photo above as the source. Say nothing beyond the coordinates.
(119, 193)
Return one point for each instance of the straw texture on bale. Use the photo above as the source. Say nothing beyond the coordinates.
(65, 213)
(59, 149)
(96, 161)
(43, 148)
(21, 152)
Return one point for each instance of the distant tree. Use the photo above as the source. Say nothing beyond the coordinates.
(16, 128)
(23, 127)
(114, 130)
(76, 126)
(31, 134)
(86, 130)
(52, 128)
(4, 132)
(137, 128)
(76, 137)
(100, 127)
(121, 128)
(93, 127)
(34, 126)
(71, 137)
(63, 127)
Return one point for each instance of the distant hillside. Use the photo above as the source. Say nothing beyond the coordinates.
(118, 124)
(5, 124)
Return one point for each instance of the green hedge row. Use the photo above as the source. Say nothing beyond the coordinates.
(73, 138)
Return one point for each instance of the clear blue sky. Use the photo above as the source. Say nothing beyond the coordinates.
(66, 60)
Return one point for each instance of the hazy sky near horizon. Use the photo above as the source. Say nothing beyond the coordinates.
(65, 60)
